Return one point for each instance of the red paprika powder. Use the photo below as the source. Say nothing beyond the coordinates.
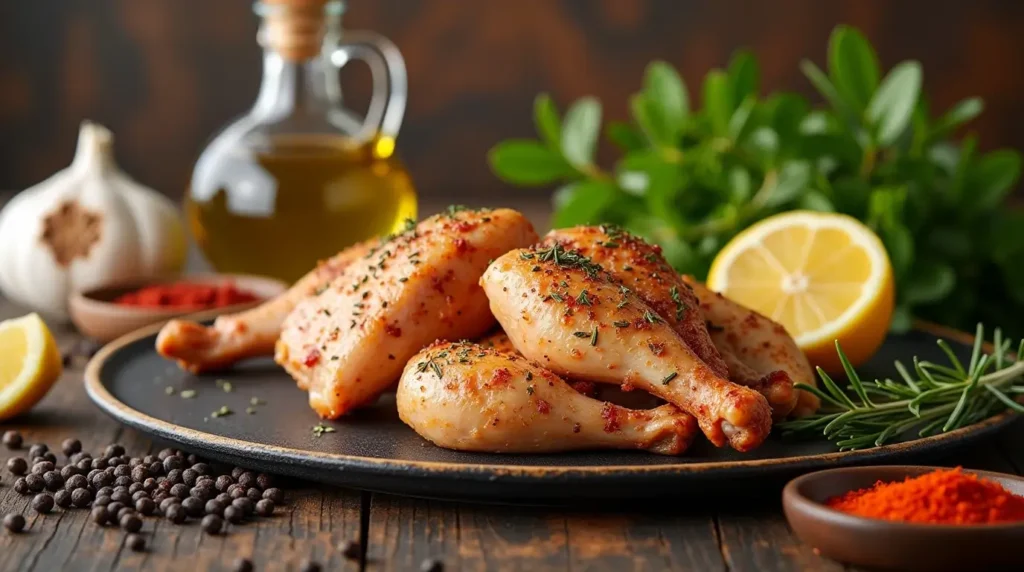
(940, 497)
(186, 295)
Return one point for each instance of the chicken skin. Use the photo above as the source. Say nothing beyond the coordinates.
(565, 312)
(760, 343)
(349, 343)
(641, 267)
(469, 397)
(252, 333)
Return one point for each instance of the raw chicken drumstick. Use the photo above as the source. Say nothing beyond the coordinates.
(758, 342)
(565, 312)
(471, 398)
(640, 266)
(252, 333)
(349, 343)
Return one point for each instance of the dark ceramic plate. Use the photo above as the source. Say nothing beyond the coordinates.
(881, 544)
(372, 449)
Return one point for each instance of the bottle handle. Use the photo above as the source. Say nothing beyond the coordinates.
(387, 68)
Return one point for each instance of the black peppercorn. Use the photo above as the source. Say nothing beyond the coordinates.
(254, 494)
(102, 479)
(42, 503)
(264, 481)
(214, 506)
(131, 523)
(234, 515)
(99, 463)
(145, 506)
(193, 507)
(135, 488)
(350, 549)
(236, 472)
(122, 471)
(201, 493)
(201, 468)
(265, 507)
(139, 473)
(113, 450)
(156, 468)
(100, 501)
(75, 482)
(68, 471)
(175, 513)
(37, 450)
(121, 496)
(113, 509)
(274, 494)
(189, 476)
(242, 565)
(139, 495)
(245, 505)
(212, 524)
(431, 565)
(21, 486)
(12, 439)
(173, 462)
(237, 492)
(17, 465)
(105, 492)
(308, 565)
(48, 457)
(149, 485)
(168, 502)
(224, 498)
(99, 515)
(223, 482)
(81, 497)
(247, 479)
(71, 446)
(53, 481)
(164, 453)
(135, 462)
(14, 522)
(84, 466)
(123, 482)
(62, 498)
(42, 467)
(135, 542)
(180, 490)
(35, 483)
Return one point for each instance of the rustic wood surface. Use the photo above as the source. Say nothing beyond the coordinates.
(399, 533)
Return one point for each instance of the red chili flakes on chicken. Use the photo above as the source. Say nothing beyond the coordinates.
(612, 417)
(501, 377)
(393, 330)
(312, 358)
(543, 407)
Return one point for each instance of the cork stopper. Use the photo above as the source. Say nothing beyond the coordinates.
(294, 28)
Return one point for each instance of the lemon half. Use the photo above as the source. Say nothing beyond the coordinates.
(824, 277)
(29, 364)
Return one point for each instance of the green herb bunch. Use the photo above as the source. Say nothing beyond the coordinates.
(930, 398)
(689, 179)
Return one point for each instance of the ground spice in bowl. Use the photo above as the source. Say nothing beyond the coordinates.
(947, 496)
(186, 295)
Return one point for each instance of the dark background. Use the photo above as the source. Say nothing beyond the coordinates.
(164, 75)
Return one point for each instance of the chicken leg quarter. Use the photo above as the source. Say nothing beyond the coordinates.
(565, 312)
(349, 344)
(471, 398)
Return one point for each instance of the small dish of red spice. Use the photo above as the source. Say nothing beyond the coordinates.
(910, 517)
(108, 313)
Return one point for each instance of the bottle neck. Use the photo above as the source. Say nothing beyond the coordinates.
(296, 86)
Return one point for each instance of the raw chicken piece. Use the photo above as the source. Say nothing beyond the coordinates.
(252, 333)
(758, 342)
(639, 265)
(349, 344)
(563, 311)
(471, 398)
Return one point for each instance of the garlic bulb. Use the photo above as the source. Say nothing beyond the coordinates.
(87, 226)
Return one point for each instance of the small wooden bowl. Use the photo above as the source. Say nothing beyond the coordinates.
(895, 545)
(96, 315)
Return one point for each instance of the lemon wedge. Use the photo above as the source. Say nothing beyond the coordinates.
(29, 364)
(824, 277)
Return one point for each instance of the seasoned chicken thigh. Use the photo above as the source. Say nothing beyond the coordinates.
(759, 343)
(350, 342)
(252, 333)
(563, 311)
(471, 398)
(640, 266)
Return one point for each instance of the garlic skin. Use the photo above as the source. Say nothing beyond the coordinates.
(87, 226)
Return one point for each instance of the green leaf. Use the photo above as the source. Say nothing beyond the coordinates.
(625, 136)
(666, 94)
(546, 120)
(929, 282)
(580, 130)
(853, 66)
(741, 118)
(718, 101)
(743, 77)
(647, 117)
(816, 201)
(788, 111)
(959, 114)
(992, 177)
(902, 319)
(583, 202)
(899, 243)
(527, 162)
(825, 87)
(892, 106)
(791, 182)
(740, 186)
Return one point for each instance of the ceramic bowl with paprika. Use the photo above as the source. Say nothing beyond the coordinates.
(893, 545)
(97, 314)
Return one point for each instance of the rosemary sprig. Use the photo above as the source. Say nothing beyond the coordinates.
(929, 398)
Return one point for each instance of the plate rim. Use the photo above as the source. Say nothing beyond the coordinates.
(125, 414)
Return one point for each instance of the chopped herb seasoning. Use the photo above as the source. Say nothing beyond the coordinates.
(319, 429)
(651, 317)
(622, 324)
(529, 390)
(250, 410)
(668, 378)
(188, 394)
(256, 401)
(529, 375)
(403, 279)
(681, 306)
(222, 412)
(526, 255)
(568, 259)
(169, 390)
(556, 297)
(581, 334)
(451, 210)
(582, 299)
(536, 268)
(593, 337)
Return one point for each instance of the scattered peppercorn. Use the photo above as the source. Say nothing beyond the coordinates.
(17, 465)
(62, 498)
(14, 522)
(274, 494)
(12, 439)
(35, 483)
(431, 565)
(242, 565)
(145, 506)
(350, 549)
(37, 450)
(308, 565)
(212, 524)
(234, 515)
(131, 523)
(99, 515)
(265, 507)
(42, 503)
(135, 542)
(175, 513)
(71, 446)
(193, 507)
